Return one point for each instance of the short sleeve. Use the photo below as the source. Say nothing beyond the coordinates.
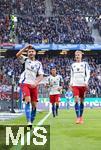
(48, 80)
(61, 79)
(22, 59)
(40, 71)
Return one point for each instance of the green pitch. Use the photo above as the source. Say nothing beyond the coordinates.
(65, 134)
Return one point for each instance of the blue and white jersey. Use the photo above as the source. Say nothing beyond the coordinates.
(32, 69)
(54, 83)
(80, 74)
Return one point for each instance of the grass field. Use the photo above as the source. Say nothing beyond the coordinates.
(65, 134)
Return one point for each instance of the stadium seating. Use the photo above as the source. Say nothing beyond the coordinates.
(83, 7)
(97, 24)
(67, 23)
(70, 29)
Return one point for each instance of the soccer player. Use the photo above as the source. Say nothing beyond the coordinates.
(29, 80)
(55, 84)
(80, 74)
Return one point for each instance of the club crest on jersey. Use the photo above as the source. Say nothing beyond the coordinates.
(32, 67)
(36, 66)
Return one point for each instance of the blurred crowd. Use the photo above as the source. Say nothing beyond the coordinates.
(84, 7)
(22, 7)
(70, 29)
(67, 23)
(97, 24)
(60, 7)
(11, 67)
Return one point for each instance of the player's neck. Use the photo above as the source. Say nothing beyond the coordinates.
(78, 61)
(32, 59)
(54, 75)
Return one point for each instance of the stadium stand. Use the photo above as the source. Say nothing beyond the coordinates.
(4, 29)
(67, 23)
(20, 7)
(97, 24)
(83, 7)
(71, 29)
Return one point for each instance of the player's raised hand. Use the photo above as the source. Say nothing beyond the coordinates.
(30, 46)
(24, 50)
(27, 47)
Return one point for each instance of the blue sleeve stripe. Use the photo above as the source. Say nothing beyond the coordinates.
(23, 79)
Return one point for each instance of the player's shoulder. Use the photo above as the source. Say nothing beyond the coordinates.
(85, 62)
(50, 76)
(38, 62)
(73, 64)
(82, 62)
(23, 57)
(59, 76)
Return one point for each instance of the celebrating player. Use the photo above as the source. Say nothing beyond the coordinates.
(29, 80)
(54, 83)
(80, 74)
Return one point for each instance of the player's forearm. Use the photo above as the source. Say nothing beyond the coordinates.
(39, 79)
(21, 52)
(71, 78)
(87, 74)
(71, 81)
(87, 77)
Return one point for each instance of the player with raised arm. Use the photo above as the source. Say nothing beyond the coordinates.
(29, 80)
(80, 74)
(55, 85)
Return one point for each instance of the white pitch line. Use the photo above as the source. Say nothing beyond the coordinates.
(42, 120)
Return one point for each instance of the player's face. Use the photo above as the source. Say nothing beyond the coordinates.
(53, 72)
(78, 56)
(31, 53)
